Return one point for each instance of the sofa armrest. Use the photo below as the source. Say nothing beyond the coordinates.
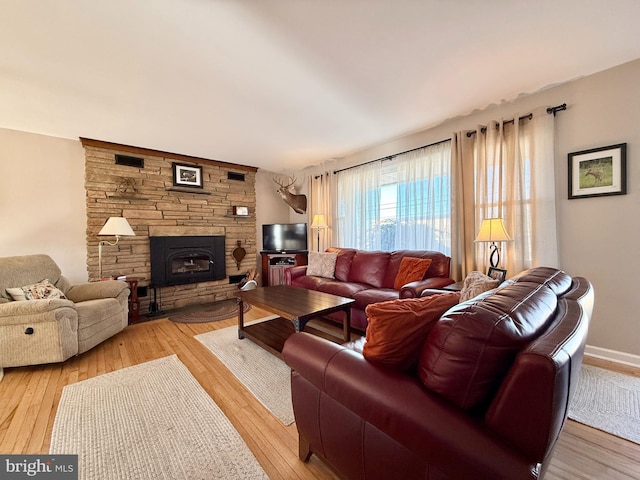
(403, 409)
(95, 290)
(292, 273)
(16, 313)
(415, 289)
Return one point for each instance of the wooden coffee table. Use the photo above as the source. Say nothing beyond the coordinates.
(295, 307)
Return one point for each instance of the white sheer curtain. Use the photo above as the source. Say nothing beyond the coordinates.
(322, 202)
(358, 208)
(514, 179)
(423, 211)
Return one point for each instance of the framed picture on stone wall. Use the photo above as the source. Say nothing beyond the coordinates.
(598, 172)
(187, 175)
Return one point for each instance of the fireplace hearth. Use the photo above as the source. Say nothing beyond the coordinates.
(179, 260)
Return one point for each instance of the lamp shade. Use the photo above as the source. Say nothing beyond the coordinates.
(319, 221)
(492, 230)
(117, 226)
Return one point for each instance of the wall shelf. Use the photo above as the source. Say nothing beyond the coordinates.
(188, 190)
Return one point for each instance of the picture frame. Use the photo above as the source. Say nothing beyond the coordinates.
(240, 211)
(598, 172)
(497, 274)
(187, 175)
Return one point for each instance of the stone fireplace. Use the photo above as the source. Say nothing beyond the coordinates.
(142, 189)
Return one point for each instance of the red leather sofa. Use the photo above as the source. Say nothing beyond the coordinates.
(515, 352)
(368, 277)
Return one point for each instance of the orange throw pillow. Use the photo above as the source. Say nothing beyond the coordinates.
(411, 269)
(397, 329)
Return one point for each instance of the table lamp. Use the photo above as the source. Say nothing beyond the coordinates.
(492, 230)
(319, 222)
(117, 226)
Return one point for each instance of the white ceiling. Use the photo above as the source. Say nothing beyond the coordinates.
(283, 84)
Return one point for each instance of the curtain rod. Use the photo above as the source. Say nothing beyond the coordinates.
(389, 157)
(550, 110)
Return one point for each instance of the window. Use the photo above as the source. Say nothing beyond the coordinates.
(403, 203)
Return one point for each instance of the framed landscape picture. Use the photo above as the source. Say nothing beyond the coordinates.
(187, 175)
(598, 172)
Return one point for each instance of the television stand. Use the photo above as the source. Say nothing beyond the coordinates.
(274, 264)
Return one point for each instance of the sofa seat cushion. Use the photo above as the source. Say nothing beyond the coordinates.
(342, 289)
(397, 329)
(309, 282)
(374, 295)
(473, 345)
(369, 268)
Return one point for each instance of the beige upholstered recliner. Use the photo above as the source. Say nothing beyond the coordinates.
(51, 330)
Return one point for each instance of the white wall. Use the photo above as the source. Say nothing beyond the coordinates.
(599, 236)
(42, 200)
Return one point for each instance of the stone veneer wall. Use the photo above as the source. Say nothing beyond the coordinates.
(154, 206)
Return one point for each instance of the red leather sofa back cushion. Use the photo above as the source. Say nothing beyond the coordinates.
(369, 268)
(343, 262)
(470, 349)
(440, 264)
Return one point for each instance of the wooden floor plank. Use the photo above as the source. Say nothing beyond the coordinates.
(29, 397)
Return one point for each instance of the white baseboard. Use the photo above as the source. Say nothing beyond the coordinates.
(613, 356)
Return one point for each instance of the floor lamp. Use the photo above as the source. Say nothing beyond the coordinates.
(492, 230)
(319, 222)
(117, 226)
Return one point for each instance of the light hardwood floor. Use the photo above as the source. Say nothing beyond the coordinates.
(29, 397)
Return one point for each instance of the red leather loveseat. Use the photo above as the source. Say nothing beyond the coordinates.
(369, 277)
(487, 400)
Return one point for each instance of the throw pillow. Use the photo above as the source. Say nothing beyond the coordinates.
(322, 264)
(475, 284)
(397, 328)
(411, 269)
(38, 291)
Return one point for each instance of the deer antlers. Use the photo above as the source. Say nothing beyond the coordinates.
(286, 187)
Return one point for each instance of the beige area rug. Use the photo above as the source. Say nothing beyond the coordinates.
(208, 312)
(608, 401)
(149, 421)
(264, 375)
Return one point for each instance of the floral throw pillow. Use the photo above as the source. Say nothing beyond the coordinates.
(38, 291)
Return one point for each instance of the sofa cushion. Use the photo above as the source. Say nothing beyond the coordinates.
(472, 346)
(397, 328)
(322, 264)
(37, 291)
(342, 289)
(476, 283)
(25, 270)
(374, 295)
(343, 262)
(368, 268)
(411, 269)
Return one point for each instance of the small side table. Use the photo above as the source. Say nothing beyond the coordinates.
(134, 301)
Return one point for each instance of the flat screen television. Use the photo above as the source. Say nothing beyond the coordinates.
(284, 237)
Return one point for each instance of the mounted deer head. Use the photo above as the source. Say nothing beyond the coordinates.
(295, 201)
